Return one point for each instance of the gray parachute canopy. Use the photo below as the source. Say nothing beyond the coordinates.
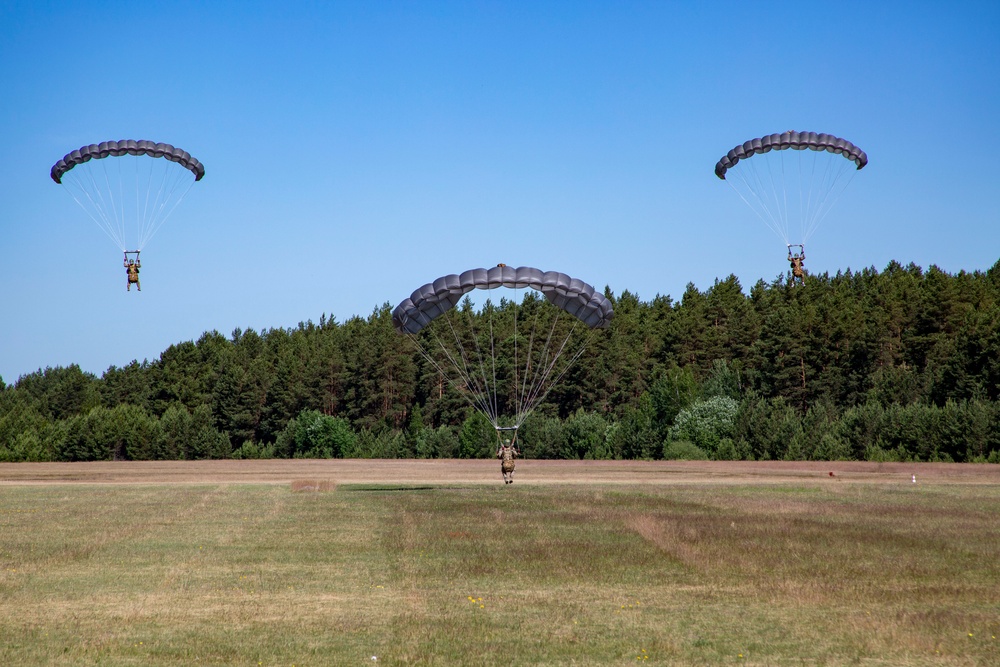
(434, 299)
(126, 147)
(793, 140)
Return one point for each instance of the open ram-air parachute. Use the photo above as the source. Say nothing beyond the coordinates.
(505, 358)
(791, 192)
(129, 197)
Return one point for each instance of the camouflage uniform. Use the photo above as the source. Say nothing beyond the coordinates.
(132, 266)
(506, 454)
(797, 271)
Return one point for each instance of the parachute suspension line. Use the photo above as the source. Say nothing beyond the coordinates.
(433, 362)
(802, 210)
(767, 186)
(517, 364)
(159, 201)
(544, 366)
(784, 192)
(806, 204)
(100, 192)
(532, 378)
(136, 162)
(489, 401)
(145, 207)
(155, 225)
(769, 193)
(821, 182)
(754, 183)
(118, 225)
(538, 395)
(760, 212)
(493, 354)
(121, 195)
(817, 182)
(101, 206)
(72, 186)
(531, 390)
(529, 370)
(467, 377)
(833, 176)
(471, 378)
(548, 359)
(758, 189)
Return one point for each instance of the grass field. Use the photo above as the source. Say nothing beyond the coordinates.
(331, 563)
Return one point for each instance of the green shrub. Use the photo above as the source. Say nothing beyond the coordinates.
(706, 423)
(684, 450)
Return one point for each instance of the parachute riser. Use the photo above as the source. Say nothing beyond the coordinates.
(502, 430)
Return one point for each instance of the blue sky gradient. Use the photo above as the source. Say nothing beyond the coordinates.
(355, 150)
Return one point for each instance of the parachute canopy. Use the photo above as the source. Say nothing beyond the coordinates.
(129, 197)
(126, 147)
(506, 358)
(789, 190)
(571, 295)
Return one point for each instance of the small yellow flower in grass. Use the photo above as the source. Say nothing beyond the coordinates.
(970, 634)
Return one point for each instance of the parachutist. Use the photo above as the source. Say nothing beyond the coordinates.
(507, 453)
(132, 269)
(796, 260)
(168, 170)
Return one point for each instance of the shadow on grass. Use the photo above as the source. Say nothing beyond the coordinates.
(380, 488)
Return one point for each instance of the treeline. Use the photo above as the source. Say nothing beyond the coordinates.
(902, 364)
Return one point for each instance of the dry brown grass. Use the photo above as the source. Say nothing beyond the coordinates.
(437, 563)
(476, 471)
(313, 485)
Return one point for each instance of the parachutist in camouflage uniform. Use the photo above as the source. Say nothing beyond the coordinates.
(132, 267)
(507, 453)
(796, 259)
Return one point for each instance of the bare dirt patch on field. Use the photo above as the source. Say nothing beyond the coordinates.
(479, 471)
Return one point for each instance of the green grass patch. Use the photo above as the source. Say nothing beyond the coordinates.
(428, 575)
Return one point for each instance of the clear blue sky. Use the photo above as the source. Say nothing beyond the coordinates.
(355, 150)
